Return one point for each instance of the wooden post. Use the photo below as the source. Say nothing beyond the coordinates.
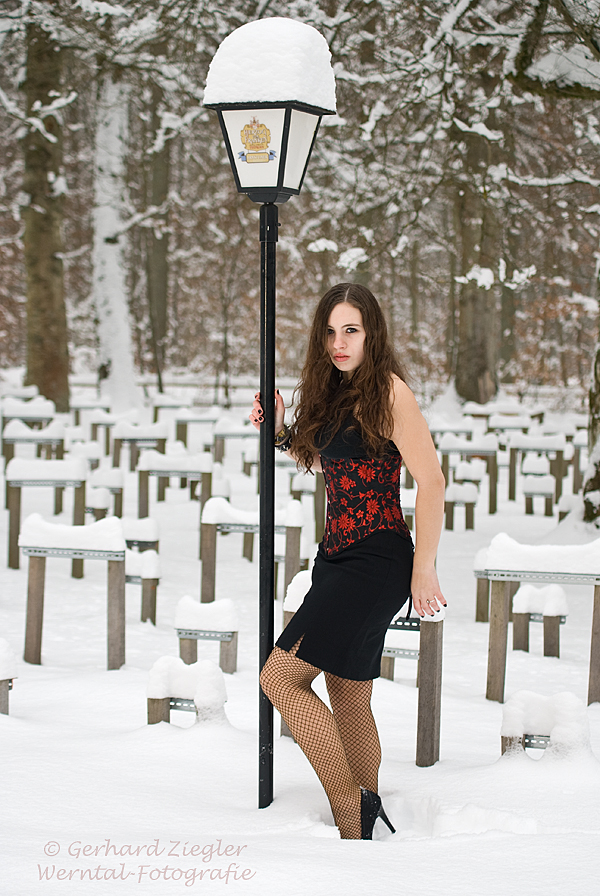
(248, 546)
(206, 489)
(552, 636)
(320, 503)
(115, 606)
(116, 462)
(528, 504)
(512, 474)
(208, 558)
(99, 513)
(14, 524)
(155, 415)
(482, 604)
(58, 500)
(143, 494)
(161, 487)
(387, 667)
(134, 454)
(181, 431)
(159, 710)
(118, 508)
(577, 477)
(512, 744)
(492, 468)
(557, 468)
(496, 672)
(161, 446)
(78, 520)
(228, 654)
(408, 483)
(149, 587)
(292, 554)
(594, 682)
(35, 610)
(188, 650)
(469, 515)
(219, 449)
(430, 692)
(4, 688)
(549, 509)
(9, 453)
(521, 631)
(449, 510)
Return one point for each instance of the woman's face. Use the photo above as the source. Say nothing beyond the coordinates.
(346, 338)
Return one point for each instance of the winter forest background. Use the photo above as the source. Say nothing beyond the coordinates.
(459, 181)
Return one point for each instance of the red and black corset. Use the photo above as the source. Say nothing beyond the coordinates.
(363, 494)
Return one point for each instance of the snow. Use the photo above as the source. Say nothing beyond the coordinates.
(27, 410)
(537, 442)
(538, 485)
(550, 600)
(144, 564)
(450, 442)
(218, 616)
(20, 468)
(218, 510)
(351, 258)
(464, 493)
(8, 661)
(83, 768)
(16, 429)
(98, 498)
(272, 60)
(186, 463)
(126, 430)
(297, 590)
(201, 682)
(106, 477)
(105, 535)
(139, 530)
(506, 553)
(562, 717)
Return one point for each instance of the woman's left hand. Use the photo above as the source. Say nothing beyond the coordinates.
(427, 595)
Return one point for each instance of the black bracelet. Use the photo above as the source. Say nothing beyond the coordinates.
(283, 439)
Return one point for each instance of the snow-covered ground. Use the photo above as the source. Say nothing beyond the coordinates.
(89, 788)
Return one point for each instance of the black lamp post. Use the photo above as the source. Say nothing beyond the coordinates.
(269, 143)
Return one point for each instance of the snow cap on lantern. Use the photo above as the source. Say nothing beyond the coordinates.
(270, 83)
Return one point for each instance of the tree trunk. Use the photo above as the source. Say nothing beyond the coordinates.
(157, 243)
(110, 291)
(47, 344)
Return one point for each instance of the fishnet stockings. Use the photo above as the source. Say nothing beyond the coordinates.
(342, 746)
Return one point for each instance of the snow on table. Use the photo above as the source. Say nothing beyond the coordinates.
(142, 565)
(21, 469)
(16, 429)
(562, 717)
(37, 408)
(202, 682)
(104, 535)
(272, 60)
(218, 511)
(217, 616)
(550, 600)
(504, 553)
(149, 431)
(154, 461)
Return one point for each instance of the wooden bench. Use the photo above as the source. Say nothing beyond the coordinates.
(460, 495)
(545, 605)
(37, 412)
(39, 540)
(79, 404)
(142, 568)
(56, 474)
(186, 417)
(485, 447)
(153, 435)
(112, 479)
(539, 486)
(98, 502)
(225, 429)
(197, 467)
(219, 517)
(52, 438)
(100, 419)
(501, 579)
(553, 447)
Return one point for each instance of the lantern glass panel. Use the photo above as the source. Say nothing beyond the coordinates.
(302, 132)
(255, 136)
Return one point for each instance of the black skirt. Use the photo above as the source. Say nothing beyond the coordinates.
(354, 596)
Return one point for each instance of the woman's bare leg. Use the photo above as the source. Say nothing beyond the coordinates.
(286, 680)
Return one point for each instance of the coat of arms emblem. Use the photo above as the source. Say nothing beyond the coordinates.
(256, 138)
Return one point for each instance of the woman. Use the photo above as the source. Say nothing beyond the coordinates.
(356, 420)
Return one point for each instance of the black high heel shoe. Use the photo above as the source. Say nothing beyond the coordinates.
(370, 810)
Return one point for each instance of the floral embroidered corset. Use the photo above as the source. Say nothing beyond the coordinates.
(363, 492)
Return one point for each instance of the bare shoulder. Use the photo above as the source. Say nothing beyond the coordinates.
(401, 396)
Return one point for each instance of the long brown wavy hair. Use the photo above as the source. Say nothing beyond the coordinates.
(325, 399)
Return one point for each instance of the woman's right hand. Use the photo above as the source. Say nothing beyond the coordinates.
(257, 416)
